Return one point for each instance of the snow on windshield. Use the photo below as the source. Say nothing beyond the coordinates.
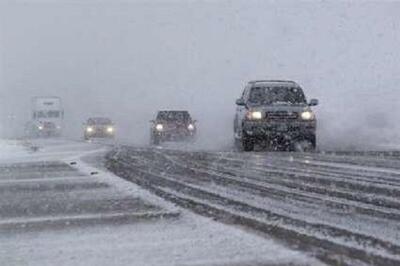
(270, 95)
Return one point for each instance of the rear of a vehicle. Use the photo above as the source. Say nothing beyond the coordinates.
(99, 128)
(173, 126)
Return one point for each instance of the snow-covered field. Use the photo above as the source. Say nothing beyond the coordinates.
(56, 209)
(11, 149)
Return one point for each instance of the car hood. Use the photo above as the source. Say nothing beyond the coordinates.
(280, 108)
(100, 126)
(183, 123)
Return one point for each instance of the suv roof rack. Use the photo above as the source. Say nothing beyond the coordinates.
(272, 80)
(173, 110)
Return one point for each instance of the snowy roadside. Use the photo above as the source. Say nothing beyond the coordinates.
(44, 150)
(11, 149)
(54, 184)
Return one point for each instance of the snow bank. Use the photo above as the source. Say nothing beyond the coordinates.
(11, 148)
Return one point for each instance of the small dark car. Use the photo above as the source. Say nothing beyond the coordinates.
(172, 126)
(99, 127)
(276, 113)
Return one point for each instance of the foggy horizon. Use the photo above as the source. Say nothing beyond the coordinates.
(126, 61)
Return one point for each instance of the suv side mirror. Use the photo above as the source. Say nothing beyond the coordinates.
(240, 102)
(313, 102)
(152, 121)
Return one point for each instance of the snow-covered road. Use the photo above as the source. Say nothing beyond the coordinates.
(59, 206)
(343, 208)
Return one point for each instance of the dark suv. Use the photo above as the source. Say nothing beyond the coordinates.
(172, 126)
(276, 113)
(99, 127)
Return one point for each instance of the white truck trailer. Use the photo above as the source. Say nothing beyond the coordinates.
(47, 117)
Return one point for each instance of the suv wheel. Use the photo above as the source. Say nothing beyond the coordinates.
(237, 144)
(313, 140)
(247, 143)
(156, 140)
(307, 145)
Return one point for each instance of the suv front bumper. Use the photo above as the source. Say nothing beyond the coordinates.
(98, 134)
(289, 130)
(174, 134)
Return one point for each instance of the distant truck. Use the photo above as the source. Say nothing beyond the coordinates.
(47, 117)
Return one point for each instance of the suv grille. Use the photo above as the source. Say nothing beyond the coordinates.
(281, 115)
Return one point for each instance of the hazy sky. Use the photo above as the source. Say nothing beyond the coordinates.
(127, 59)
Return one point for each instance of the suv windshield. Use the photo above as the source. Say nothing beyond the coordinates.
(276, 95)
(174, 116)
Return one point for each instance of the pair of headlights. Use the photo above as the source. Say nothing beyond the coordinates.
(160, 127)
(91, 129)
(257, 115)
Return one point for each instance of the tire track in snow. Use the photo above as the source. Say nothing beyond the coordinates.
(154, 172)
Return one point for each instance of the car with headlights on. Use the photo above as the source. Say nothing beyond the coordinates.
(277, 114)
(172, 125)
(99, 127)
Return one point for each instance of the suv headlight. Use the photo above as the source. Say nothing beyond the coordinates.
(159, 127)
(254, 115)
(110, 129)
(89, 129)
(307, 115)
(191, 127)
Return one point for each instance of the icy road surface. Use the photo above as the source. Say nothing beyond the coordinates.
(344, 208)
(55, 209)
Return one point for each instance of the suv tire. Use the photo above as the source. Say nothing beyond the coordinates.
(309, 147)
(313, 141)
(155, 140)
(247, 143)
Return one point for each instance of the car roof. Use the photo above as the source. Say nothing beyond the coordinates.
(173, 112)
(273, 82)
